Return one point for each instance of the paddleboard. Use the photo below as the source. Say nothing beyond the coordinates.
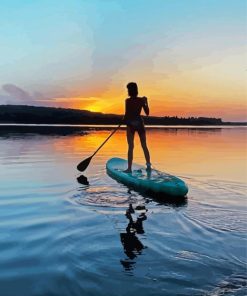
(141, 180)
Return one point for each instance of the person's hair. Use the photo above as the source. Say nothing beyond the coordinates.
(132, 89)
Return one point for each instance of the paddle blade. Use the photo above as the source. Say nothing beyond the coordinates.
(84, 164)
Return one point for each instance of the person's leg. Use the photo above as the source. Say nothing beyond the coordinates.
(143, 140)
(130, 140)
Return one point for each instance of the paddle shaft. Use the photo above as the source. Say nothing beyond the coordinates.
(107, 139)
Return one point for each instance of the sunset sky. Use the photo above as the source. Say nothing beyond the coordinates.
(187, 56)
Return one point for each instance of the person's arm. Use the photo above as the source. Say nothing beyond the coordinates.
(125, 113)
(145, 105)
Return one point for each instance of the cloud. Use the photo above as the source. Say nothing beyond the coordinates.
(19, 96)
(15, 95)
(16, 92)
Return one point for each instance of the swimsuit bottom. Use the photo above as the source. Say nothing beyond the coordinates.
(136, 126)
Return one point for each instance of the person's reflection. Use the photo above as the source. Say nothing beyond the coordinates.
(131, 244)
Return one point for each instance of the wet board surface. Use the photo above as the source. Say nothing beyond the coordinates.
(154, 181)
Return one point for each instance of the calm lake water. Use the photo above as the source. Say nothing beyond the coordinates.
(61, 237)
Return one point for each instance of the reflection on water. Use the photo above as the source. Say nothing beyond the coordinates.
(129, 239)
(63, 233)
(82, 180)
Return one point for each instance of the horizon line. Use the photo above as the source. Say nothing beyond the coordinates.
(115, 114)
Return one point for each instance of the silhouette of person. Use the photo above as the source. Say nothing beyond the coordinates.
(131, 244)
(134, 122)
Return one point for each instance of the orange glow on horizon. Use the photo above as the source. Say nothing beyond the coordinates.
(181, 95)
(166, 107)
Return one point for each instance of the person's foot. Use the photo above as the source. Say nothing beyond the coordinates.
(128, 171)
(149, 167)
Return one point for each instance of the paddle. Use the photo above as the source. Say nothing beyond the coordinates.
(84, 164)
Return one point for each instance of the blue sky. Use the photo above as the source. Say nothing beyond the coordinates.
(88, 50)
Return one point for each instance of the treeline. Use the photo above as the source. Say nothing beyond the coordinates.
(49, 115)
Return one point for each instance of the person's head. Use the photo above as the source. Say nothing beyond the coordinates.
(132, 89)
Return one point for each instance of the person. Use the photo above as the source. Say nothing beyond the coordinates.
(134, 123)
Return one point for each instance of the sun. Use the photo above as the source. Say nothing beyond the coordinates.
(94, 108)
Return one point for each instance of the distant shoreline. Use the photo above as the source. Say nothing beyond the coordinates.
(102, 126)
(22, 114)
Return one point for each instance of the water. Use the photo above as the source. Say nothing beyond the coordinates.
(61, 237)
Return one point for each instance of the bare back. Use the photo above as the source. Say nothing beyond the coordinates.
(133, 108)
